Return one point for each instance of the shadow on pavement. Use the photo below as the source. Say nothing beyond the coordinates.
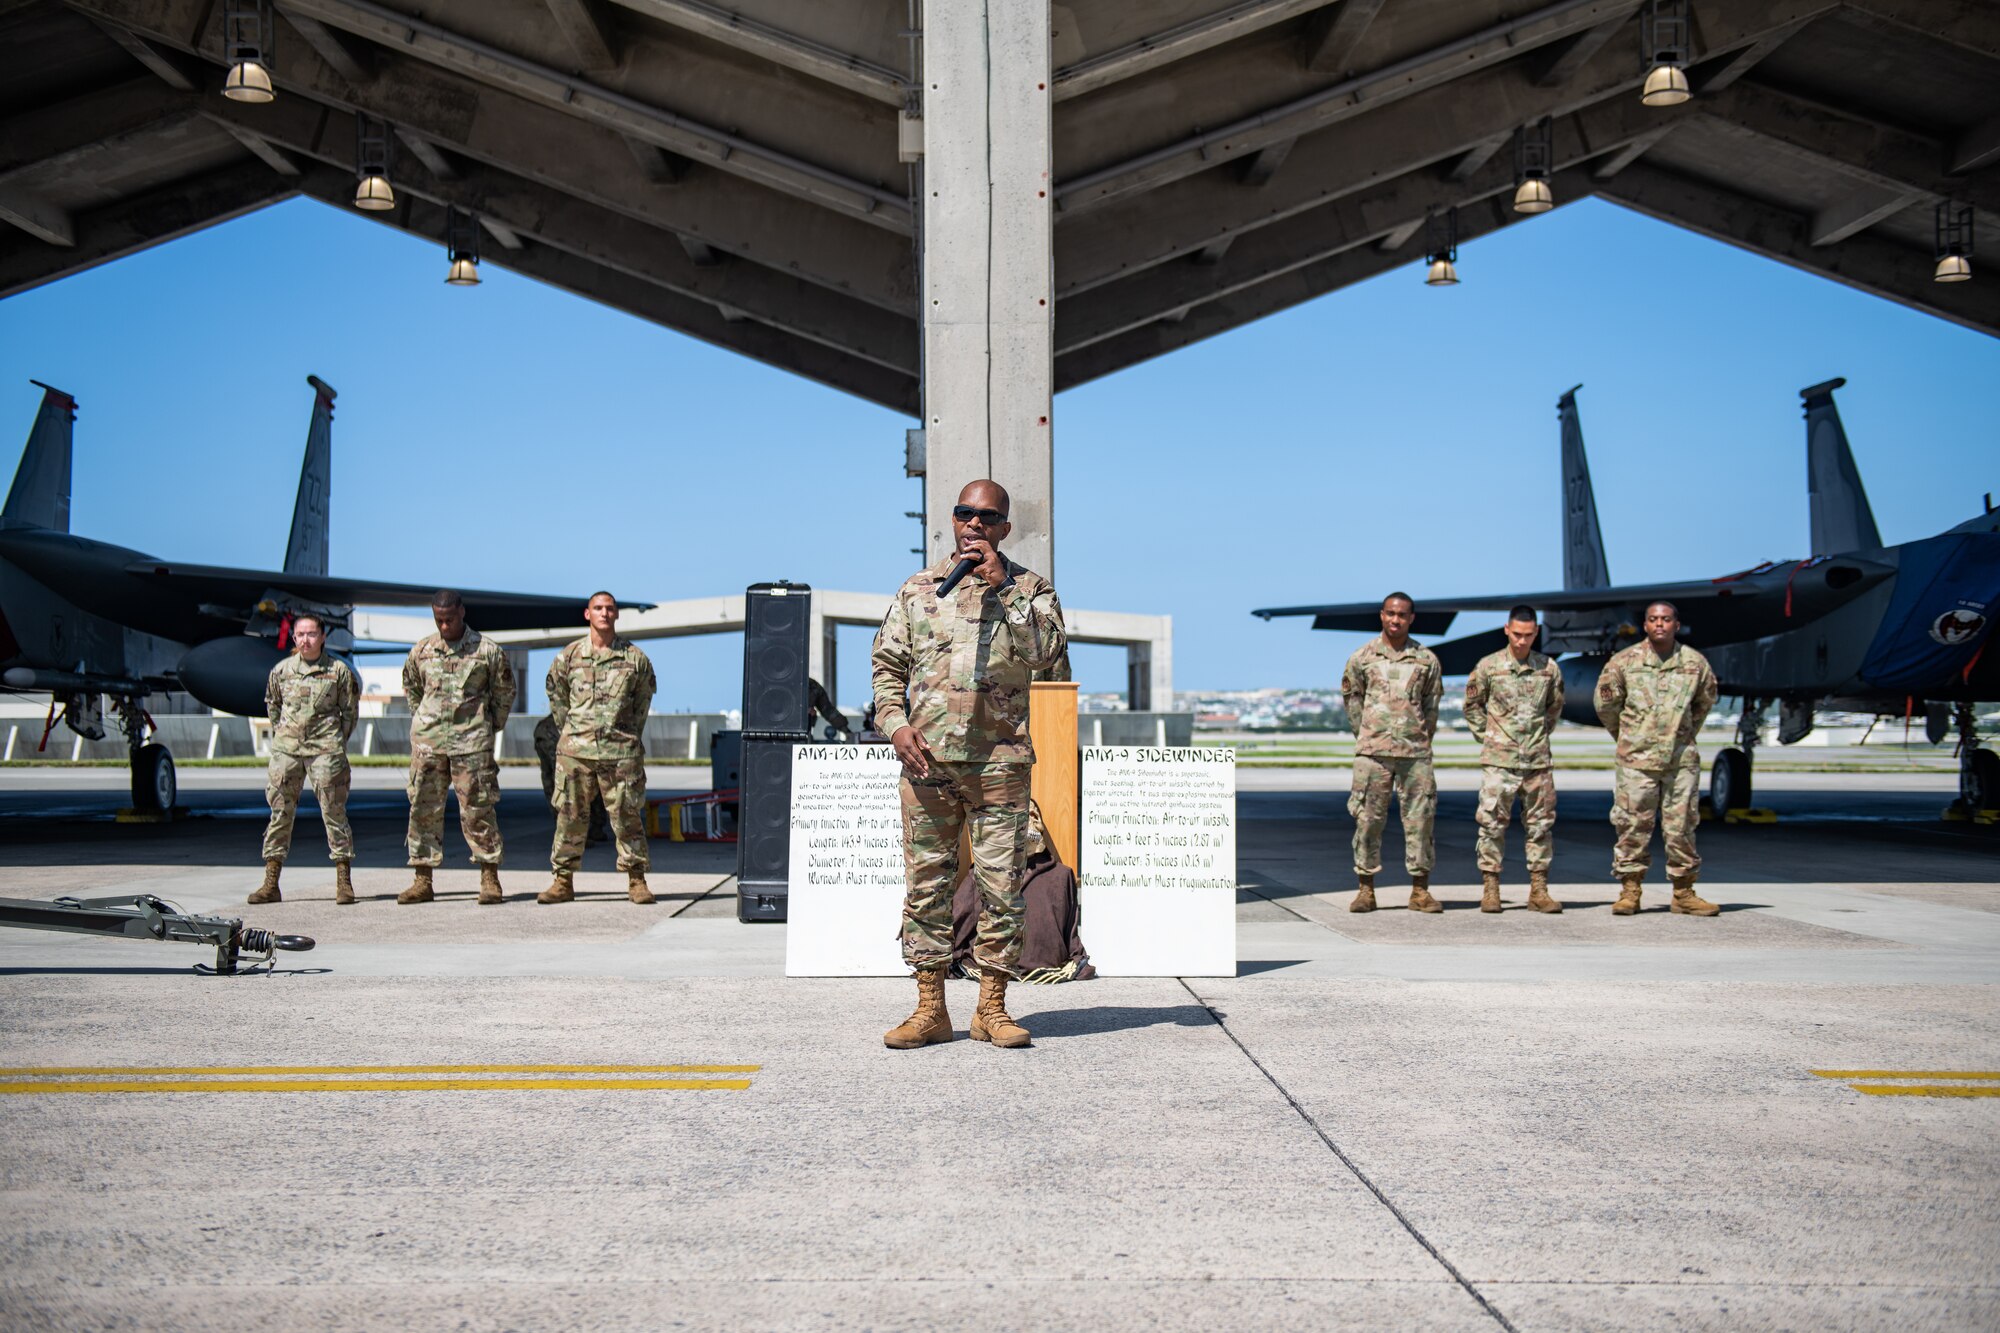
(1114, 1018)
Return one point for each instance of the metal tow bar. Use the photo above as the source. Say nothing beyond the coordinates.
(141, 916)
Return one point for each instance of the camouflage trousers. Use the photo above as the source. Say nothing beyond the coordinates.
(1415, 788)
(580, 784)
(1498, 787)
(283, 781)
(600, 825)
(476, 779)
(1670, 798)
(989, 802)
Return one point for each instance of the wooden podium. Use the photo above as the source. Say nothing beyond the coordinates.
(1054, 783)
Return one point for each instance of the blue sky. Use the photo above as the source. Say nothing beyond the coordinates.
(514, 436)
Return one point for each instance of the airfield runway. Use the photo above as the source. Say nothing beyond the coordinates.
(1780, 1118)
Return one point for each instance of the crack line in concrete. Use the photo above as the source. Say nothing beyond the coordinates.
(1349, 1163)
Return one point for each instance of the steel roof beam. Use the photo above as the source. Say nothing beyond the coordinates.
(1178, 43)
(607, 239)
(1970, 25)
(37, 216)
(1280, 293)
(587, 28)
(350, 58)
(1331, 37)
(612, 109)
(1882, 268)
(1341, 101)
(168, 69)
(1976, 148)
(264, 150)
(539, 144)
(53, 132)
(719, 25)
(1560, 61)
(1417, 131)
(696, 319)
(1301, 241)
(145, 220)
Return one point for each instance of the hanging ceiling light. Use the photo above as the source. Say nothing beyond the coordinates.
(1441, 249)
(371, 164)
(1664, 38)
(461, 239)
(246, 46)
(1954, 242)
(1534, 154)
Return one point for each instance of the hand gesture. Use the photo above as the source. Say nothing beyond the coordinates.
(911, 749)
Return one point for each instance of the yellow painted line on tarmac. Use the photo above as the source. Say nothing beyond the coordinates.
(1888, 1073)
(1912, 1090)
(191, 1070)
(386, 1085)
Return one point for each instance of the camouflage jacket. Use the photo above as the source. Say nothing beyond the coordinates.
(460, 693)
(1512, 707)
(312, 705)
(1653, 706)
(958, 670)
(600, 699)
(1392, 699)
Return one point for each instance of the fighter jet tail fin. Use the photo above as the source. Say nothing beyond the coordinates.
(40, 497)
(305, 553)
(1584, 565)
(1841, 518)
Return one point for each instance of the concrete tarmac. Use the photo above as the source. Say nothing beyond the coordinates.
(605, 1115)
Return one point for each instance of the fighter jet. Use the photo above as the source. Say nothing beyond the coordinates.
(1856, 626)
(85, 620)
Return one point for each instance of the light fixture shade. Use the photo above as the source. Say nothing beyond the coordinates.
(1954, 268)
(1443, 273)
(1534, 196)
(464, 273)
(374, 194)
(248, 81)
(1666, 85)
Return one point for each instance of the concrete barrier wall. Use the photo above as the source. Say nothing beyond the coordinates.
(191, 737)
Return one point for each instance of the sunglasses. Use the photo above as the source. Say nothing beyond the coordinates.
(966, 513)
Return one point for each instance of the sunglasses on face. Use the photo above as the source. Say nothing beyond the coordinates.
(966, 513)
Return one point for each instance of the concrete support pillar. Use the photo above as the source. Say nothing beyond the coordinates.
(517, 658)
(988, 273)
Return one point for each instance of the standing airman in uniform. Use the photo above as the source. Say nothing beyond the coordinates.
(313, 702)
(1652, 698)
(951, 680)
(460, 687)
(600, 690)
(1391, 689)
(548, 735)
(1513, 700)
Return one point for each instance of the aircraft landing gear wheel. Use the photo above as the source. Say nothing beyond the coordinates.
(154, 788)
(1979, 780)
(1729, 782)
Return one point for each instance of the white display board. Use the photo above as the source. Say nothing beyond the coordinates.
(1159, 860)
(846, 887)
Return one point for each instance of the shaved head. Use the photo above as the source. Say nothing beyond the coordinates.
(987, 494)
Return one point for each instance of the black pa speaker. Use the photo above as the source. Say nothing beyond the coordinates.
(777, 620)
(764, 828)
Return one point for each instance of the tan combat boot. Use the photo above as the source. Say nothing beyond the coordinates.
(1489, 896)
(420, 887)
(1364, 901)
(561, 889)
(990, 1021)
(1420, 895)
(267, 892)
(1628, 895)
(1538, 893)
(635, 887)
(490, 892)
(930, 1023)
(343, 882)
(1687, 904)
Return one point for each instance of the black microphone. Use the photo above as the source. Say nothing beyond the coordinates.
(965, 566)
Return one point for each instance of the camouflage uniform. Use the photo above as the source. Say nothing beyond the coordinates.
(548, 733)
(1653, 706)
(313, 707)
(1392, 703)
(958, 671)
(1512, 706)
(459, 694)
(599, 700)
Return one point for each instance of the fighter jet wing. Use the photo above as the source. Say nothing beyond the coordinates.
(243, 588)
(1774, 596)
